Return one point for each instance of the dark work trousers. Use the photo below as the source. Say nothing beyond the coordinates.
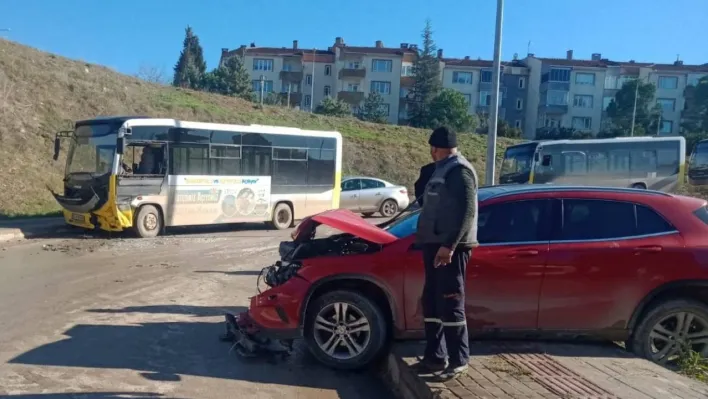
(444, 307)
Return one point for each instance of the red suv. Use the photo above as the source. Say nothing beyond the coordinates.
(556, 262)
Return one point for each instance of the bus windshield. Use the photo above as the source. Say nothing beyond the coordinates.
(92, 149)
(516, 165)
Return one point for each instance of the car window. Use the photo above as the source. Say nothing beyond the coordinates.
(650, 222)
(351, 184)
(511, 222)
(405, 226)
(597, 219)
(368, 183)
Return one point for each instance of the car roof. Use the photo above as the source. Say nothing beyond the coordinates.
(366, 177)
(489, 192)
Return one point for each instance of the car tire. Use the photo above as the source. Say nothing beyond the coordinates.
(282, 217)
(148, 222)
(360, 349)
(665, 315)
(640, 186)
(388, 208)
(368, 214)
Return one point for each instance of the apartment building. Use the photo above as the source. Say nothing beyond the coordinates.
(349, 73)
(535, 92)
(576, 93)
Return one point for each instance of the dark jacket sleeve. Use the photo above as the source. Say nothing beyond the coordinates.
(462, 186)
(425, 173)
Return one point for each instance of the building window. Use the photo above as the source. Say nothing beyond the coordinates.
(407, 70)
(667, 127)
(667, 104)
(517, 123)
(485, 76)
(582, 78)
(308, 100)
(308, 80)
(556, 97)
(623, 80)
(381, 87)
(522, 83)
(328, 70)
(327, 91)
(606, 102)
(582, 123)
(611, 82)
(262, 64)
(355, 109)
(559, 75)
(485, 98)
(287, 67)
(291, 87)
(386, 109)
(519, 103)
(404, 92)
(582, 101)
(468, 99)
(353, 65)
(462, 77)
(552, 122)
(353, 87)
(267, 86)
(668, 82)
(693, 80)
(381, 65)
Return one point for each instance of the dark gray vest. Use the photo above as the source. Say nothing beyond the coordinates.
(441, 213)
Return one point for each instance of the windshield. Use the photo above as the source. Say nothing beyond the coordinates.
(517, 160)
(700, 156)
(404, 226)
(92, 149)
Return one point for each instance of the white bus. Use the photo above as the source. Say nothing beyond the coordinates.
(146, 174)
(656, 163)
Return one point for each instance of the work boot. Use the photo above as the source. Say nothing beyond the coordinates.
(452, 372)
(424, 366)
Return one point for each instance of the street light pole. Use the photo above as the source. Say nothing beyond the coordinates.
(494, 114)
(634, 109)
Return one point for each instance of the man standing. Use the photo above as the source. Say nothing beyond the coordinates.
(447, 232)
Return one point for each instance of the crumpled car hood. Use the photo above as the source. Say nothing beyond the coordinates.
(344, 221)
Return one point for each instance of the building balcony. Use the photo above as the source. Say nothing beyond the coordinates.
(553, 109)
(295, 98)
(407, 81)
(352, 73)
(291, 76)
(351, 97)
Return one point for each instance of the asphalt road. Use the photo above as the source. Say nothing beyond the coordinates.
(87, 317)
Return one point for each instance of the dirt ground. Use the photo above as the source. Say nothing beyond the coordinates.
(87, 317)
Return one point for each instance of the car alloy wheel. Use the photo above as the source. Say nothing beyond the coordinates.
(389, 208)
(677, 332)
(342, 331)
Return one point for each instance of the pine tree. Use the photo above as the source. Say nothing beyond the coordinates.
(230, 79)
(190, 69)
(427, 80)
(373, 108)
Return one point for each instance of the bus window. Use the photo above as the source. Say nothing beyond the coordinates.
(619, 161)
(643, 161)
(575, 163)
(597, 162)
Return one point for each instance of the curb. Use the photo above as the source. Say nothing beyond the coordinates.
(32, 229)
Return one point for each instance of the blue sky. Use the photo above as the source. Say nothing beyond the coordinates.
(128, 33)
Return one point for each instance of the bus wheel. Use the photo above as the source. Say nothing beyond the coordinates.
(148, 222)
(282, 216)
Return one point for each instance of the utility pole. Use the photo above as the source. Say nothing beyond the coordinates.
(312, 90)
(634, 110)
(289, 85)
(262, 89)
(494, 114)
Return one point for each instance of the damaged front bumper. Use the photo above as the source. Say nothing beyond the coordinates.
(249, 340)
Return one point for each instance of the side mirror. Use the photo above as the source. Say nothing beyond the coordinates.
(546, 160)
(536, 157)
(57, 147)
(120, 149)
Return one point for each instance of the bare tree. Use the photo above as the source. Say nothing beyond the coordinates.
(152, 74)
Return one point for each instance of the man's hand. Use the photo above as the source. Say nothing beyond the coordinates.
(443, 257)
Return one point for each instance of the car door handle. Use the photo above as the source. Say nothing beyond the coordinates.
(648, 249)
(378, 193)
(524, 253)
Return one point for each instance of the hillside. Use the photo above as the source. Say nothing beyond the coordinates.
(42, 93)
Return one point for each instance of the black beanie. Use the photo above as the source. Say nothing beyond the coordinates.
(443, 137)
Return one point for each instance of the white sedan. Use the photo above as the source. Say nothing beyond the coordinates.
(368, 195)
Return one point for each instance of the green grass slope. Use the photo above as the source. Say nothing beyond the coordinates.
(41, 93)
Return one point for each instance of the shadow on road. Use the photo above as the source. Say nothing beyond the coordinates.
(165, 351)
(91, 395)
(195, 311)
(232, 273)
